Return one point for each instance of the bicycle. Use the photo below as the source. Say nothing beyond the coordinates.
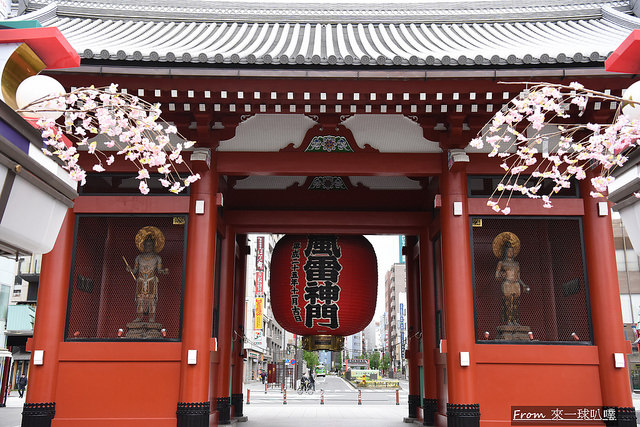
(305, 386)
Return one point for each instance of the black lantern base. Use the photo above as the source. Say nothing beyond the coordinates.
(194, 414)
(322, 342)
(223, 406)
(462, 415)
(624, 417)
(38, 414)
(429, 410)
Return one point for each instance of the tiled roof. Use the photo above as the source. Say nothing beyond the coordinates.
(272, 34)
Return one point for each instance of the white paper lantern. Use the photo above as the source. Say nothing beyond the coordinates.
(632, 111)
(37, 87)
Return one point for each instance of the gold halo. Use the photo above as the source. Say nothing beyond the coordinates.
(501, 239)
(152, 231)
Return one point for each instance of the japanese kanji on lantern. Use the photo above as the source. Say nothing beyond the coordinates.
(323, 287)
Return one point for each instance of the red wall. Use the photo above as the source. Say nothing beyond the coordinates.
(123, 384)
(536, 375)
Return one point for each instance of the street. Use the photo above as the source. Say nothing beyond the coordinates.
(337, 391)
(340, 407)
(267, 410)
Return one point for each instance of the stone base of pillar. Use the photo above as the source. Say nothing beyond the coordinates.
(463, 415)
(625, 417)
(236, 401)
(414, 404)
(223, 406)
(38, 414)
(429, 410)
(193, 414)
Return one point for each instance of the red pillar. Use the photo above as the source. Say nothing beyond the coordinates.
(238, 327)
(458, 295)
(197, 318)
(606, 312)
(48, 330)
(5, 380)
(413, 325)
(428, 314)
(220, 378)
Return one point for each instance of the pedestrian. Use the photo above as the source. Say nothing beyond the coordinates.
(263, 376)
(22, 383)
(312, 380)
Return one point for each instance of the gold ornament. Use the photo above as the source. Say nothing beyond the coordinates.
(501, 239)
(155, 233)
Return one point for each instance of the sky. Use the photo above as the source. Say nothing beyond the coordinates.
(388, 253)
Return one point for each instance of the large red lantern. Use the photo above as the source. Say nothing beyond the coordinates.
(323, 287)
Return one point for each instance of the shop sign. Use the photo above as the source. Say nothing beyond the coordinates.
(258, 314)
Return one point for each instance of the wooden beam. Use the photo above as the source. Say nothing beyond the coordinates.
(327, 222)
(352, 199)
(525, 206)
(334, 164)
(131, 204)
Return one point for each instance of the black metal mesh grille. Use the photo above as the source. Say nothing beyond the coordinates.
(102, 297)
(551, 264)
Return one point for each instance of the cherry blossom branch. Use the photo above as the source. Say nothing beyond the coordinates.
(121, 122)
(533, 137)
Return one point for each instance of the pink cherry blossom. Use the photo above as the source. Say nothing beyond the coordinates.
(128, 125)
(525, 134)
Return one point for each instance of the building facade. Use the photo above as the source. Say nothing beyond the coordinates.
(395, 291)
(265, 339)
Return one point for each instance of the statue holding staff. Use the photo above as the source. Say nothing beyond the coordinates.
(146, 268)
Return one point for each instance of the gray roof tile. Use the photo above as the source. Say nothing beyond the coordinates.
(543, 32)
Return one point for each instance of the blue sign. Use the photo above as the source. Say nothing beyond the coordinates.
(293, 361)
(286, 360)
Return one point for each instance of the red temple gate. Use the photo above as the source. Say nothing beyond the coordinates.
(343, 152)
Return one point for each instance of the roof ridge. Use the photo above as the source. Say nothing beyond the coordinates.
(42, 15)
(226, 11)
(628, 21)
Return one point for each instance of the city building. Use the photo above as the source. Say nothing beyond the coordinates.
(8, 349)
(265, 339)
(395, 291)
(353, 345)
(371, 337)
(324, 358)
(21, 310)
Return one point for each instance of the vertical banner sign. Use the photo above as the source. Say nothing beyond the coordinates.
(260, 253)
(259, 265)
(402, 330)
(259, 282)
(401, 243)
(258, 315)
